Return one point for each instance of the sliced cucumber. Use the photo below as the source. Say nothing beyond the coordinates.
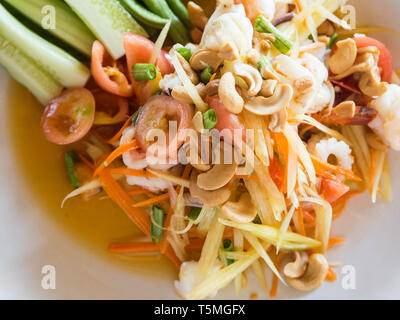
(68, 27)
(25, 71)
(60, 65)
(108, 20)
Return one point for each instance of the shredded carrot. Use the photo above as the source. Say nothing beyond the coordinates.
(131, 172)
(137, 215)
(307, 216)
(300, 218)
(282, 146)
(274, 287)
(321, 166)
(372, 170)
(298, 5)
(331, 275)
(134, 247)
(114, 155)
(86, 161)
(119, 133)
(195, 244)
(213, 76)
(164, 241)
(334, 241)
(140, 191)
(252, 178)
(152, 200)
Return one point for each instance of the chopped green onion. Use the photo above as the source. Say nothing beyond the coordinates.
(282, 43)
(209, 119)
(227, 245)
(144, 71)
(264, 63)
(206, 75)
(158, 218)
(185, 52)
(257, 220)
(194, 213)
(332, 41)
(70, 158)
(135, 116)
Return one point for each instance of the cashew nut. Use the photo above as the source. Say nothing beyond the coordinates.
(196, 15)
(230, 98)
(212, 88)
(180, 93)
(197, 122)
(229, 52)
(222, 172)
(296, 268)
(363, 63)
(188, 69)
(277, 121)
(370, 83)
(196, 34)
(266, 106)
(209, 198)
(249, 74)
(314, 275)
(344, 57)
(203, 58)
(242, 211)
(345, 109)
(268, 87)
(327, 28)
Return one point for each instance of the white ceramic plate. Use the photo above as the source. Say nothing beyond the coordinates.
(29, 239)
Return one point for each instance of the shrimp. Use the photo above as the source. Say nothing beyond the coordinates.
(307, 76)
(387, 123)
(135, 159)
(228, 26)
(256, 7)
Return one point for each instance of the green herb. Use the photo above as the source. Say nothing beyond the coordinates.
(135, 116)
(206, 75)
(257, 220)
(194, 213)
(144, 71)
(282, 43)
(155, 230)
(70, 158)
(209, 119)
(227, 245)
(332, 41)
(184, 52)
(143, 15)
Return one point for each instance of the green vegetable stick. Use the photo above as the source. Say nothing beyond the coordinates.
(158, 218)
(282, 43)
(69, 158)
(180, 10)
(143, 15)
(209, 119)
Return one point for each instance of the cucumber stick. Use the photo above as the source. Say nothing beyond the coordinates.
(108, 20)
(68, 27)
(25, 71)
(64, 68)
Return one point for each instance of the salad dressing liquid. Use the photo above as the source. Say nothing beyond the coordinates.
(93, 224)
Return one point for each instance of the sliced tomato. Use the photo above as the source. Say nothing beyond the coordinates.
(229, 124)
(69, 117)
(156, 114)
(385, 57)
(110, 109)
(106, 73)
(138, 49)
(333, 189)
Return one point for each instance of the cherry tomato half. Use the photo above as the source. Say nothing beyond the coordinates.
(69, 117)
(110, 109)
(333, 189)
